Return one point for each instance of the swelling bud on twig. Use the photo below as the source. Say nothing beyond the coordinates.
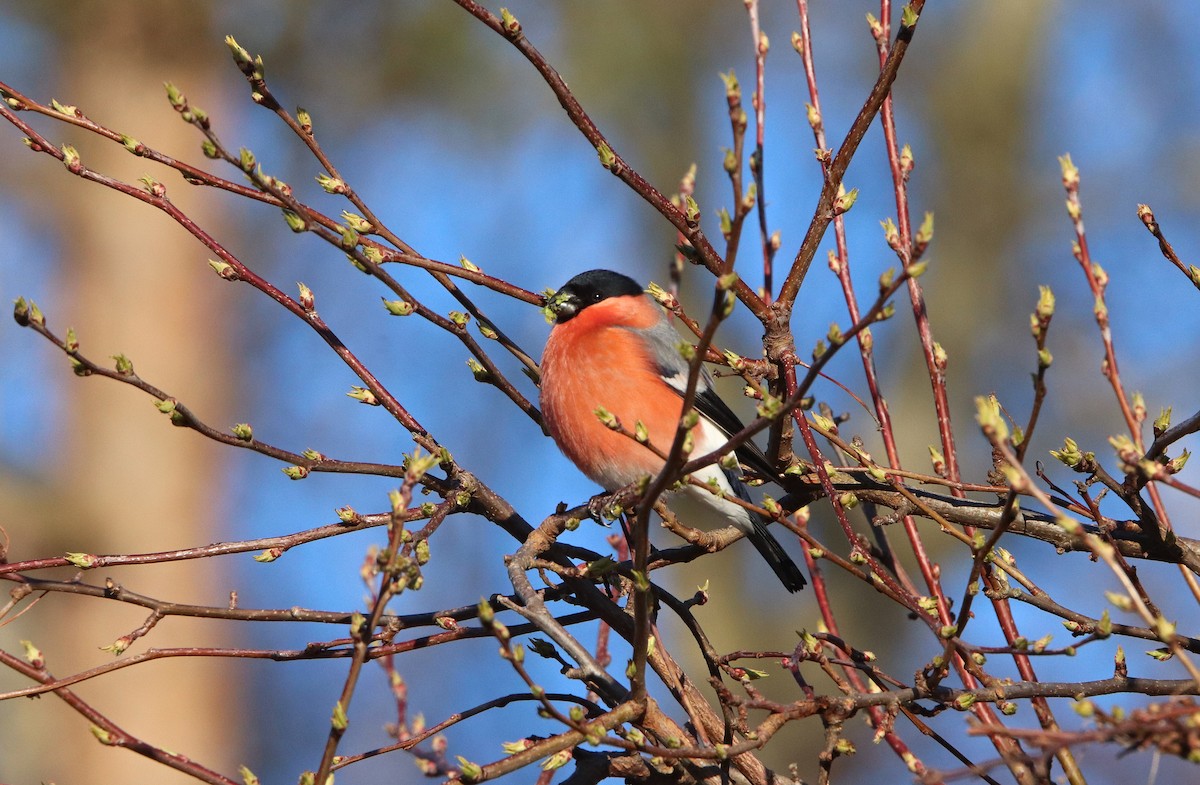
(845, 201)
(307, 301)
(331, 185)
(71, 159)
(223, 269)
(357, 222)
(987, 412)
(509, 22)
(240, 55)
(1069, 454)
(294, 221)
(65, 109)
(891, 234)
(363, 395)
(607, 158)
(1162, 422)
(478, 371)
(925, 232)
(662, 296)
(398, 307)
(1046, 302)
(123, 365)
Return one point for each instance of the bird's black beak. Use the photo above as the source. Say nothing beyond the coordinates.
(563, 305)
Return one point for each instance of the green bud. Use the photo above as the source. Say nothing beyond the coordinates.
(339, 720)
(84, 561)
(608, 159)
(845, 201)
(987, 412)
(468, 771)
(750, 197)
(607, 418)
(770, 407)
(65, 109)
(357, 222)
(398, 307)
(331, 185)
(294, 221)
(813, 116)
(71, 159)
(478, 371)
(1069, 454)
(102, 736)
(240, 55)
(1119, 601)
(890, 233)
(509, 22)
(175, 96)
(1162, 422)
(224, 269)
(925, 232)
(307, 301)
(23, 311)
(363, 395)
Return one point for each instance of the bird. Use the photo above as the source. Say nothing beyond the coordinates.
(612, 348)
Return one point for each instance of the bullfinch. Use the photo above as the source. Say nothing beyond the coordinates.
(612, 347)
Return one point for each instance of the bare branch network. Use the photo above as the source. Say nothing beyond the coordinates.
(650, 719)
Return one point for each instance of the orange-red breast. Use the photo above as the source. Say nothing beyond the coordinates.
(612, 347)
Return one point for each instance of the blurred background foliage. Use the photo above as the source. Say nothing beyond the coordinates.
(450, 135)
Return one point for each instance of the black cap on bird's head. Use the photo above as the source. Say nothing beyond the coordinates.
(588, 289)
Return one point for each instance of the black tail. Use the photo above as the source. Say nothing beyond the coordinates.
(774, 554)
(765, 543)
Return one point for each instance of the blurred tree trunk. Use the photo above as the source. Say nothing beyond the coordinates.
(977, 94)
(132, 282)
